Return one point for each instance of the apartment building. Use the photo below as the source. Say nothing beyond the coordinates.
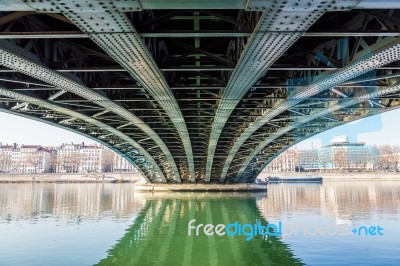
(24, 158)
(66, 158)
(284, 162)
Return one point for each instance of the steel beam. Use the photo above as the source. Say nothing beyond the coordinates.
(135, 5)
(13, 16)
(43, 35)
(192, 34)
(378, 55)
(194, 69)
(222, 34)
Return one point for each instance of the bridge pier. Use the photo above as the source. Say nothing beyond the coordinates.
(208, 187)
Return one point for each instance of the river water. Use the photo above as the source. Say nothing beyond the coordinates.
(334, 223)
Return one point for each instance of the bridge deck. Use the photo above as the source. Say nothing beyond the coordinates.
(199, 91)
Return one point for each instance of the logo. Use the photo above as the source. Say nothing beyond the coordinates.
(368, 231)
(277, 229)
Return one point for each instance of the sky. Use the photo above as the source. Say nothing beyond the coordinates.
(15, 129)
(376, 130)
(379, 129)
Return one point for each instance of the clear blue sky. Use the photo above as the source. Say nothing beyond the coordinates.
(380, 129)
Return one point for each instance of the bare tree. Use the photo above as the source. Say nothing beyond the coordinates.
(75, 162)
(324, 158)
(32, 160)
(339, 159)
(308, 160)
(52, 164)
(107, 161)
(70, 163)
(5, 162)
(389, 157)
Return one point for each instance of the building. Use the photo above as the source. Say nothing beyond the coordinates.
(79, 158)
(24, 159)
(91, 159)
(34, 159)
(284, 162)
(66, 158)
(341, 155)
(121, 165)
(6, 155)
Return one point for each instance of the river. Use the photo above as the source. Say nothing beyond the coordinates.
(334, 223)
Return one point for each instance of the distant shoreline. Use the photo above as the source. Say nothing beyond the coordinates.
(135, 177)
(381, 176)
(70, 178)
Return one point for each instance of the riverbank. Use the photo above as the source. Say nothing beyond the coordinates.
(389, 176)
(135, 177)
(70, 178)
(199, 187)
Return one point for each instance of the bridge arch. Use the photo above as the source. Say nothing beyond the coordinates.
(336, 107)
(17, 58)
(148, 168)
(377, 55)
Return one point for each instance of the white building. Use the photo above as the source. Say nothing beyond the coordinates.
(91, 159)
(284, 162)
(24, 159)
(341, 155)
(120, 164)
(6, 154)
(79, 158)
(34, 159)
(67, 158)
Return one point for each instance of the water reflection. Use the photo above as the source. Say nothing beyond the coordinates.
(159, 235)
(109, 224)
(338, 207)
(343, 201)
(68, 202)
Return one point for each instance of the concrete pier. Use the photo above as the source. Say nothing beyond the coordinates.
(199, 187)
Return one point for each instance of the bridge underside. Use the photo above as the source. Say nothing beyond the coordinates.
(199, 91)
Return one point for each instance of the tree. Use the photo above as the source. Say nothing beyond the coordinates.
(324, 158)
(107, 161)
(32, 160)
(339, 160)
(74, 162)
(389, 157)
(5, 162)
(52, 164)
(70, 163)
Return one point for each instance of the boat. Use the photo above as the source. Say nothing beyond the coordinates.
(294, 179)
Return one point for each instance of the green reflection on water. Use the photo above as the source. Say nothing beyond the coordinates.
(159, 235)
